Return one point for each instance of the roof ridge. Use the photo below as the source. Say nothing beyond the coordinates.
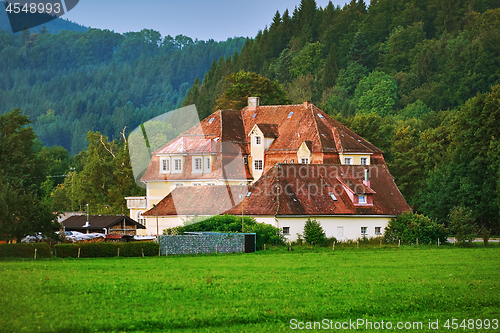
(316, 125)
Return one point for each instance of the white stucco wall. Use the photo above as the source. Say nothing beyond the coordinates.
(351, 226)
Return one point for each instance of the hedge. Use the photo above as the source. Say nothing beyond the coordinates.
(24, 250)
(99, 250)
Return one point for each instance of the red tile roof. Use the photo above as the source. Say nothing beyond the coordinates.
(290, 125)
(304, 189)
(269, 130)
(199, 200)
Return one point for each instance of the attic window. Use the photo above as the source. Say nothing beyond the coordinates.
(334, 198)
(362, 199)
(290, 114)
(254, 115)
(249, 194)
(320, 115)
(211, 120)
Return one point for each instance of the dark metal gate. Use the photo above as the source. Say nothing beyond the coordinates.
(250, 243)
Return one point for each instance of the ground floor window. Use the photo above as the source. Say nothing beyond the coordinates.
(363, 230)
(377, 231)
(286, 230)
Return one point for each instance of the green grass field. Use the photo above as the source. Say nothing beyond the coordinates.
(259, 292)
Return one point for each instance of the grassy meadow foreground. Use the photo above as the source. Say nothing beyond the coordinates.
(251, 292)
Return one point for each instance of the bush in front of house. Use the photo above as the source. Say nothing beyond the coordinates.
(313, 232)
(264, 233)
(102, 250)
(23, 250)
(409, 226)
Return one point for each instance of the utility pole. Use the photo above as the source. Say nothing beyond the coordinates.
(157, 228)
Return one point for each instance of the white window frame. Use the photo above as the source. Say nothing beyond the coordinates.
(379, 232)
(364, 201)
(176, 185)
(174, 162)
(258, 166)
(197, 168)
(304, 160)
(258, 140)
(208, 164)
(364, 230)
(164, 161)
(287, 231)
(365, 160)
(197, 184)
(348, 160)
(211, 184)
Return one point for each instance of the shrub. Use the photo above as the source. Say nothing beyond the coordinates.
(135, 249)
(408, 227)
(22, 250)
(462, 225)
(265, 233)
(100, 250)
(313, 232)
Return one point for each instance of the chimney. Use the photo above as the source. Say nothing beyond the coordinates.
(307, 103)
(253, 102)
(366, 181)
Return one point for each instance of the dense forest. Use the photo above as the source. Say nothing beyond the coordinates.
(419, 79)
(72, 82)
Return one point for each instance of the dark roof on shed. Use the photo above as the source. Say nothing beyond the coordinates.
(97, 222)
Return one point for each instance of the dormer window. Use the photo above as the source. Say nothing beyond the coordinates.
(258, 140)
(177, 165)
(362, 199)
(334, 198)
(364, 160)
(197, 164)
(304, 160)
(211, 120)
(290, 114)
(208, 164)
(165, 165)
(348, 160)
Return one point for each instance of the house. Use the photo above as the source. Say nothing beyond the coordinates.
(285, 162)
(106, 224)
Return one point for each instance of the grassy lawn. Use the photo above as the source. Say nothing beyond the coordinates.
(251, 292)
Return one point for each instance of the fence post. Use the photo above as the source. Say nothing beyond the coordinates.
(358, 243)
(79, 252)
(264, 247)
(35, 253)
(216, 249)
(289, 246)
(333, 246)
(417, 241)
(159, 251)
(438, 241)
(142, 250)
(399, 242)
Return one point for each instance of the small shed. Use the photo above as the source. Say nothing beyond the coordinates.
(106, 224)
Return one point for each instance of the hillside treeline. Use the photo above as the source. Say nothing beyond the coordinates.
(419, 79)
(73, 82)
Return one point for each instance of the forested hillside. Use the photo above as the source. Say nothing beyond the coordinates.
(54, 26)
(73, 82)
(419, 79)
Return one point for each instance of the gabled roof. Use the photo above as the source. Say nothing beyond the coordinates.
(199, 200)
(306, 122)
(268, 130)
(290, 125)
(355, 185)
(98, 222)
(304, 189)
